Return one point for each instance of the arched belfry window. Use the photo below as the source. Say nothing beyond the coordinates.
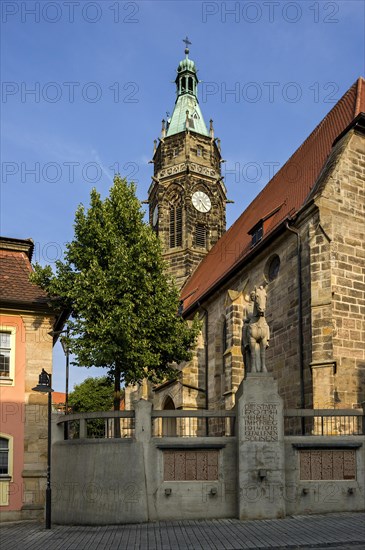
(190, 84)
(175, 234)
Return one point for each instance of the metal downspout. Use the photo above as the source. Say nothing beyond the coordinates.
(206, 314)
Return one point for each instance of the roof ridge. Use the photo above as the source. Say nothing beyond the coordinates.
(359, 84)
(313, 133)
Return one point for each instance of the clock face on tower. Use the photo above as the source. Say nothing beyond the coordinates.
(201, 201)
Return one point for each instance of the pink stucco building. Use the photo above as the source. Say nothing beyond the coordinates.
(25, 348)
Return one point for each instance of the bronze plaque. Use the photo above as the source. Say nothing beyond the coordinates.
(191, 465)
(327, 465)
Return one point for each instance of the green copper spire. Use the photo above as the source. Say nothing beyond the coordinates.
(187, 114)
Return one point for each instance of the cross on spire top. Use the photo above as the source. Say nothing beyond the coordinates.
(187, 44)
(187, 41)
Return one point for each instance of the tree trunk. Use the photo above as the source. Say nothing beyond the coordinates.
(117, 400)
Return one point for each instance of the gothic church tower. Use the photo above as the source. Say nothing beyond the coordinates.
(187, 197)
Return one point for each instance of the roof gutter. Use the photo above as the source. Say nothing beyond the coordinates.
(20, 305)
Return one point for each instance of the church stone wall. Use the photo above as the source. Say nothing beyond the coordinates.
(338, 279)
(332, 240)
(231, 303)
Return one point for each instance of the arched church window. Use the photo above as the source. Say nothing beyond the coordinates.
(190, 84)
(224, 336)
(272, 268)
(175, 226)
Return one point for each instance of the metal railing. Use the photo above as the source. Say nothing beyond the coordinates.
(324, 422)
(206, 423)
(193, 423)
(99, 425)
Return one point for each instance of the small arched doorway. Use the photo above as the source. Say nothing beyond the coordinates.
(169, 424)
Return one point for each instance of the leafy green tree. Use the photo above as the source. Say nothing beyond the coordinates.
(93, 394)
(123, 305)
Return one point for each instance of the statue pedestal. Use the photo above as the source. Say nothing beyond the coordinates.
(261, 449)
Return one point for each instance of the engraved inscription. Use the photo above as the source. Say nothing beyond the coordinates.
(261, 422)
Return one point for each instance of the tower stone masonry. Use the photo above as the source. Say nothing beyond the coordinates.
(187, 197)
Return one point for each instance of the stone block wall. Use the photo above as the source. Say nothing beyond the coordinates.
(39, 348)
(338, 279)
(332, 240)
(185, 163)
(231, 302)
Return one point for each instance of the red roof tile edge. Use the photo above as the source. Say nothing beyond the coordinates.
(311, 156)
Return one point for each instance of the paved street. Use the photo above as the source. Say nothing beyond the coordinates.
(340, 531)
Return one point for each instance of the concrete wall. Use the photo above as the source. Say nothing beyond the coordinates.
(258, 472)
(323, 496)
(110, 481)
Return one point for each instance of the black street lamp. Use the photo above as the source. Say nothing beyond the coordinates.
(66, 351)
(44, 386)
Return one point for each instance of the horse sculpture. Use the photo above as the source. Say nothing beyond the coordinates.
(256, 333)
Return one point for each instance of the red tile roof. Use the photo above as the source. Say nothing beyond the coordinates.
(15, 287)
(282, 197)
(58, 398)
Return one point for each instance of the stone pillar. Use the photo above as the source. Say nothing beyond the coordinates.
(261, 459)
(323, 380)
(143, 427)
(143, 433)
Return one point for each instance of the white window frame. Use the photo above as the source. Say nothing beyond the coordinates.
(9, 380)
(5, 479)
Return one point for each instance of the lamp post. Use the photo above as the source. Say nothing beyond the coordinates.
(66, 351)
(44, 386)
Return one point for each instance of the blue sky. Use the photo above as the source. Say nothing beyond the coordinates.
(86, 84)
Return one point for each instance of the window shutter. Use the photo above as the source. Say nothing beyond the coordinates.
(178, 226)
(175, 226)
(201, 235)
